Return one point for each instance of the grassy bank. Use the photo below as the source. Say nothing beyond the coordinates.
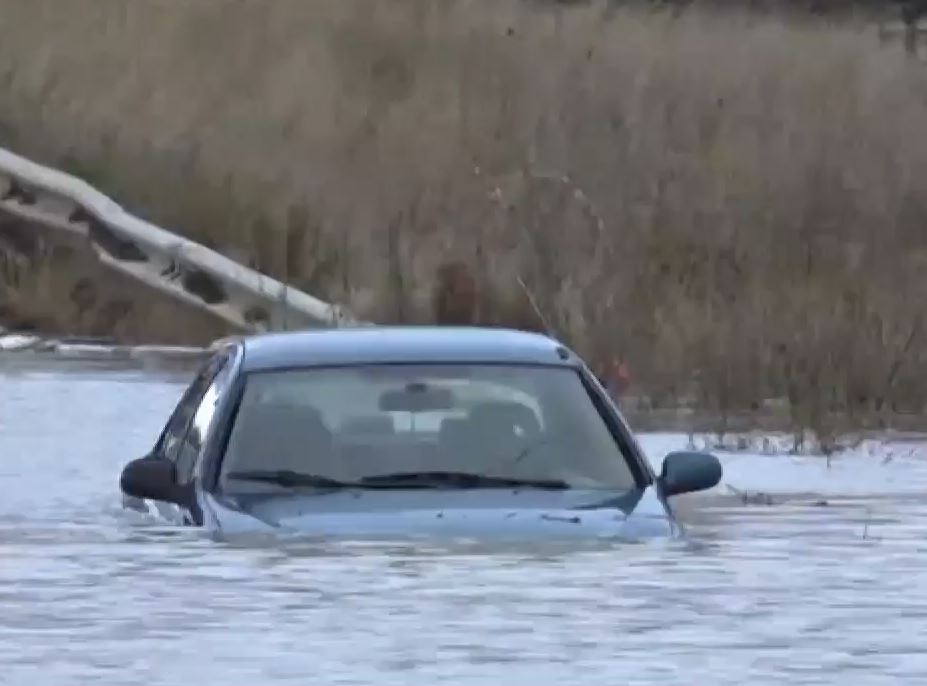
(736, 205)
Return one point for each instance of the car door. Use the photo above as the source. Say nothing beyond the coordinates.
(171, 443)
(191, 447)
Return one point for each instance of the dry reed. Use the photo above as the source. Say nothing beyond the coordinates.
(734, 205)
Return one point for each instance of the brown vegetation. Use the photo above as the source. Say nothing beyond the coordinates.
(734, 206)
(61, 289)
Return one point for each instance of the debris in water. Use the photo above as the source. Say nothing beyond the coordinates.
(752, 498)
(571, 520)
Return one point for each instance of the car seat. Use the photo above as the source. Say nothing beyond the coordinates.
(520, 417)
(277, 435)
(454, 447)
(497, 432)
(368, 425)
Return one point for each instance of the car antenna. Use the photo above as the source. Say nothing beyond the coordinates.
(537, 310)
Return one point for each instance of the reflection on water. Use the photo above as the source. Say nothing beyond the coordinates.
(796, 593)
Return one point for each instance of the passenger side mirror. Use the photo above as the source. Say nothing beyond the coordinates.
(688, 471)
(151, 477)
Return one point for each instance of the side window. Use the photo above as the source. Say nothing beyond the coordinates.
(170, 442)
(191, 446)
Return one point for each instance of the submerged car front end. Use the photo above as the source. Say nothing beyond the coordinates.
(469, 433)
(472, 514)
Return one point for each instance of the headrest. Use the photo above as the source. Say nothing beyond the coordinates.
(369, 424)
(496, 412)
(453, 426)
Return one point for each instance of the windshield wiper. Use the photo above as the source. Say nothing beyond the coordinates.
(290, 479)
(459, 480)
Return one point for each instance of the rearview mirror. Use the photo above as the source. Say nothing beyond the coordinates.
(417, 397)
(687, 472)
(151, 478)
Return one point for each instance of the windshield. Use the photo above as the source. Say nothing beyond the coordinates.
(392, 424)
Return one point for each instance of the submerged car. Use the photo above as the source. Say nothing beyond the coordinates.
(396, 431)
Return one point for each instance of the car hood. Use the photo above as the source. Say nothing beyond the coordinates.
(467, 513)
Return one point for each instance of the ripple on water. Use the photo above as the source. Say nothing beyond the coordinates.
(789, 593)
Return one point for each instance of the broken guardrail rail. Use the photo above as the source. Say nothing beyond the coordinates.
(68, 208)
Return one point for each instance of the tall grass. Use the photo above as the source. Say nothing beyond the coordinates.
(735, 205)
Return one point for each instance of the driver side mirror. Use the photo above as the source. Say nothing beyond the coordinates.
(688, 471)
(152, 478)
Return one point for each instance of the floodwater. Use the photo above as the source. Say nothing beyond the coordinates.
(791, 593)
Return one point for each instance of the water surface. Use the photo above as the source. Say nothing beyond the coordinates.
(794, 593)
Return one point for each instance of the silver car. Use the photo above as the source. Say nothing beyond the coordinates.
(407, 431)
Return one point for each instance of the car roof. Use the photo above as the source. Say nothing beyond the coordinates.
(401, 344)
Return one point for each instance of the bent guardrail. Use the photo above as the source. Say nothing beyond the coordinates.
(244, 298)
